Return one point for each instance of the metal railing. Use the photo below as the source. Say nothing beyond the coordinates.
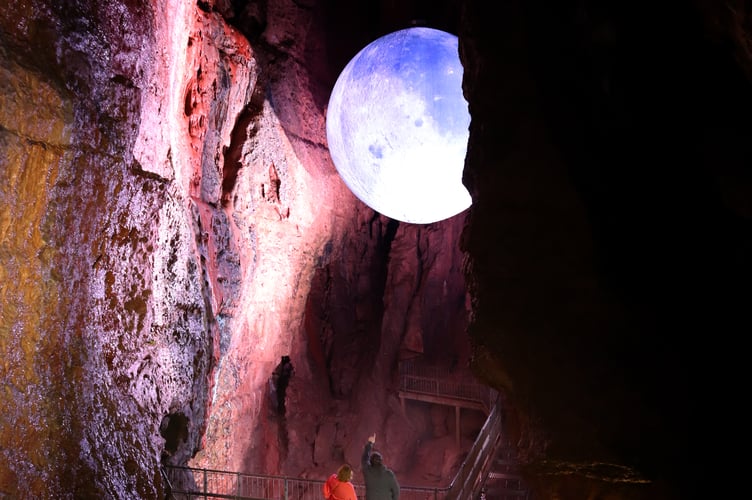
(187, 483)
(420, 378)
(469, 480)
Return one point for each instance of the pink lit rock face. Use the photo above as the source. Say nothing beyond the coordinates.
(188, 230)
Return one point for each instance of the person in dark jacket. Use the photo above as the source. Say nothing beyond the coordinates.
(381, 483)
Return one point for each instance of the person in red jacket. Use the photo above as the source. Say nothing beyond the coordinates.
(339, 485)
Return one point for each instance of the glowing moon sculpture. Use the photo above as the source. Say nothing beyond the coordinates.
(397, 126)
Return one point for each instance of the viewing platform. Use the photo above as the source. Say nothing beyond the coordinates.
(458, 389)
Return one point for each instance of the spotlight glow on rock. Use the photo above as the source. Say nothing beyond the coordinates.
(397, 126)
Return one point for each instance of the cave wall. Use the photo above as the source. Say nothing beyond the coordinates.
(608, 242)
(113, 334)
(172, 226)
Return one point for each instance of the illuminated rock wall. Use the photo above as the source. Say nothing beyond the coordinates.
(171, 226)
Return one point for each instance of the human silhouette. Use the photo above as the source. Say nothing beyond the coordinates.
(381, 483)
(339, 485)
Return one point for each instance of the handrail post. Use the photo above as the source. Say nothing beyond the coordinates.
(206, 484)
